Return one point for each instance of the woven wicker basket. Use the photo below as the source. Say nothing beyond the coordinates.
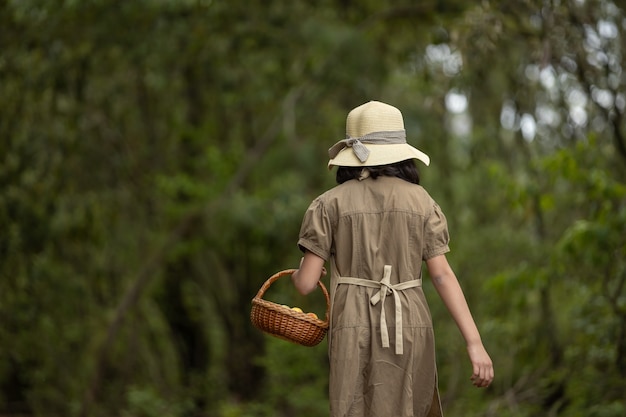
(284, 323)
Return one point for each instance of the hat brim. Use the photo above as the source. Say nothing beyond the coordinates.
(379, 155)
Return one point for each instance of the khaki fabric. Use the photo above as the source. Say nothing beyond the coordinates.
(361, 227)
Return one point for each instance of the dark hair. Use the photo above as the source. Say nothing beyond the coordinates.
(405, 170)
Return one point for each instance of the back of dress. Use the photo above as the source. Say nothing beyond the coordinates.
(385, 221)
(382, 360)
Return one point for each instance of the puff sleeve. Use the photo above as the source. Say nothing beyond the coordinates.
(436, 237)
(316, 230)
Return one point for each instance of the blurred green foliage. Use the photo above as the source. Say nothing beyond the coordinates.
(156, 157)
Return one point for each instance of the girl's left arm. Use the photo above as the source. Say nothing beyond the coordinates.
(311, 270)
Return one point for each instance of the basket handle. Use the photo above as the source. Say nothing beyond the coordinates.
(280, 274)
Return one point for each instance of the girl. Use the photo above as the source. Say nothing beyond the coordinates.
(375, 228)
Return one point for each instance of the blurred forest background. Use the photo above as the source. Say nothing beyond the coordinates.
(157, 156)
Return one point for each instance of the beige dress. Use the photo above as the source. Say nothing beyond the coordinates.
(375, 234)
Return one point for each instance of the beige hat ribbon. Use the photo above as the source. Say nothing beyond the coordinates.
(374, 138)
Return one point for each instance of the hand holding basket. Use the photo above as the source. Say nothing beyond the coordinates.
(283, 322)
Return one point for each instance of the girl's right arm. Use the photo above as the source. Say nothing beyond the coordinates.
(449, 289)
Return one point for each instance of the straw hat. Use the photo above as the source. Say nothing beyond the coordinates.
(375, 136)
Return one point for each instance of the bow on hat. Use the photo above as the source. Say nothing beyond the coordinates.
(375, 138)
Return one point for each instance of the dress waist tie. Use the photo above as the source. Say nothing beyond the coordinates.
(386, 288)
